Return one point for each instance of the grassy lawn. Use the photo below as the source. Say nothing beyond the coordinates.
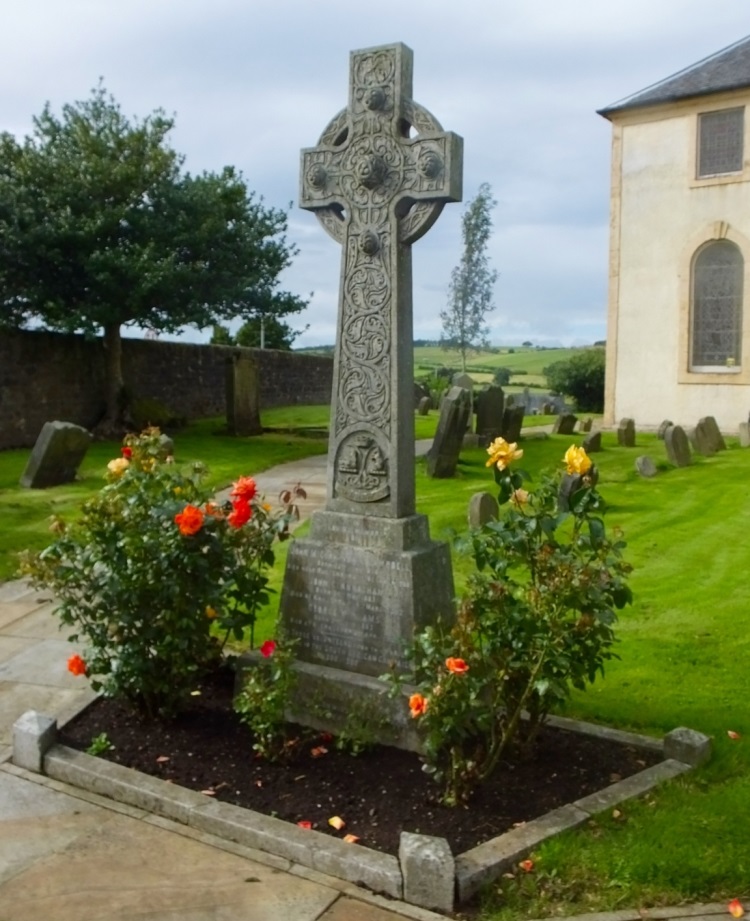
(684, 651)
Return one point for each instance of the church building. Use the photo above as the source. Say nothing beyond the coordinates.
(678, 328)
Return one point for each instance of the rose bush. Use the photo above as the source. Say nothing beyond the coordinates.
(536, 620)
(155, 577)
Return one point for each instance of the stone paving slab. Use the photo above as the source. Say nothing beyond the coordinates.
(16, 698)
(707, 912)
(10, 646)
(41, 623)
(45, 663)
(103, 865)
(12, 611)
(20, 590)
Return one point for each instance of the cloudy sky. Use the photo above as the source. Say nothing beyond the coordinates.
(252, 83)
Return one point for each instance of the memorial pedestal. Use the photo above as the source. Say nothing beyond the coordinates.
(354, 594)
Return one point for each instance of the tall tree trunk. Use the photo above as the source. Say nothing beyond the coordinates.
(112, 423)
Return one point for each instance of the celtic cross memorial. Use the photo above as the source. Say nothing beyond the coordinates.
(368, 574)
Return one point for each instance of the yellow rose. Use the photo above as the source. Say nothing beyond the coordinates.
(577, 461)
(118, 466)
(520, 497)
(503, 454)
(210, 612)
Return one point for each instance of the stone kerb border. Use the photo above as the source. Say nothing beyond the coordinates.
(424, 874)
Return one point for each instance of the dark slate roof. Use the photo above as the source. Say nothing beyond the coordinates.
(728, 69)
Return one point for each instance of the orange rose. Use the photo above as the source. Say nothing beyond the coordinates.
(189, 520)
(244, 488)
(417, 705)
(76, 665)
(240, 514)
(456, 666)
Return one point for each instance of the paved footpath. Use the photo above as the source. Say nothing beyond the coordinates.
(67, 855)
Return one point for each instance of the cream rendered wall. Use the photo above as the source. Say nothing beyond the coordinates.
(660, 215)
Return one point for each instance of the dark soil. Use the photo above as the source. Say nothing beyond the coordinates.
(378, 793)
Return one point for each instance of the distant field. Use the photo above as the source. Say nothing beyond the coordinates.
(526, 363)
(482, 365)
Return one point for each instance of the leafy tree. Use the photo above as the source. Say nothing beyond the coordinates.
(101, 228)
(472, 281)
(262, 331)
(580, 377)
(502, 376)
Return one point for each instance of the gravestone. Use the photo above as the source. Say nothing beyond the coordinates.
(584, 425)
(592, 442)
(626, 433)
(744, 434)
(564, 424)
(512, 423)
(369, 575)
(419, 391)
(645, 466)
(663, 428)
(243, 396)
(677, 446)
(483, 507)
(425, 405)
(453, 423)
(490, 407)
(463, 380)
(707, 438)
(56, 456)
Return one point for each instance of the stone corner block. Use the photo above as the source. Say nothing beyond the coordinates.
(33, 735)
(688, 746)
(428, 870)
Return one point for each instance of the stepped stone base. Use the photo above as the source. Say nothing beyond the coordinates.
(358, 588)
(354, 594)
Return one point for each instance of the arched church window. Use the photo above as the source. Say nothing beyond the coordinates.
(718, 270)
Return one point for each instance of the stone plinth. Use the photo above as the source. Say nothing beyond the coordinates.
(357, 589)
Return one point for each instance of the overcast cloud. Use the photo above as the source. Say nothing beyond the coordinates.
(251, 84)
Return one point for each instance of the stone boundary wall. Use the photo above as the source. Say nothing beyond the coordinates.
(47, 376)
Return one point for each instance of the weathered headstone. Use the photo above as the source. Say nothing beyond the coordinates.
(369, 575)
(243, 396)
(463, 380)
(677, 446)
(592, 442)
(645, 466)
(663, 428)
(564, 424)
(744, 434)
(453, 423)
(483, 507)
(626, 433)
(707, 438)
(512, 423)
(425, 405)
(584, 425)
(56, 456)
(420, 391)
(490, 403)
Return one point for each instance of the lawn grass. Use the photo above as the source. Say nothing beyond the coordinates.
(684, 655)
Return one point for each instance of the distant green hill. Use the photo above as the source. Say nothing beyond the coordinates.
(526, 364)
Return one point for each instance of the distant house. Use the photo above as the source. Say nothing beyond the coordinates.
(678, 334)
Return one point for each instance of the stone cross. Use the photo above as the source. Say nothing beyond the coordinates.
(377, 181)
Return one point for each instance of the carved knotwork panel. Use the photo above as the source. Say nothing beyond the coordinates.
(363, 390)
